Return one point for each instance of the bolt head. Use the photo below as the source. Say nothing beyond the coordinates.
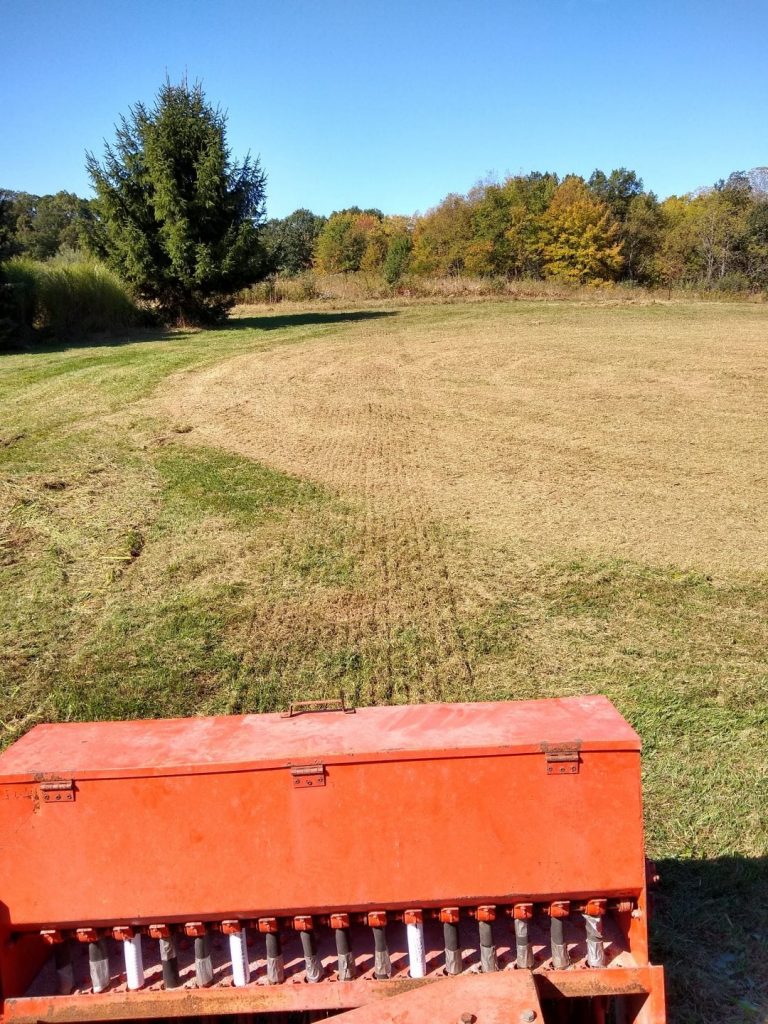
(528, 1016)
(467, 1018)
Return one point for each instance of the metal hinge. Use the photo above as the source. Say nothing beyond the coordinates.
(562, 758)
(308, 775)
(57, 791)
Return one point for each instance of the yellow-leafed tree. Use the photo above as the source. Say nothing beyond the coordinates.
(579, 236)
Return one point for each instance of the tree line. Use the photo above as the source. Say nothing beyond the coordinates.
(538, 226)
(182, 224)
(605, 228)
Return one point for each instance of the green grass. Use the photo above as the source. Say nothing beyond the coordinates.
(145, 574)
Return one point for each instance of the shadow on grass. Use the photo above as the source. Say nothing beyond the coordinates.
(308, 319)
(132, 336)
(710, 932)
(41, 345)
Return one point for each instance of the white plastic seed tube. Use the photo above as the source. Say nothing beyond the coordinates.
(238, 951)
(134, 962)
(417, 959)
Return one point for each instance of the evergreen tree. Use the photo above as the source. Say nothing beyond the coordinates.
(176, 218)
(8, 244)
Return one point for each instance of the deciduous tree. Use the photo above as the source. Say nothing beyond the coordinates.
(290, 241)
(580, 237)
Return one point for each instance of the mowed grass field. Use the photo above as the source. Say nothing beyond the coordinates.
(427, 502)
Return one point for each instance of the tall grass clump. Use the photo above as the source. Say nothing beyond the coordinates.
(72, 298)
(296, 288)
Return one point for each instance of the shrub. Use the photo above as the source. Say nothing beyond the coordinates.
(398, 258)
(301, 288)
(17, 303)
(66, 299)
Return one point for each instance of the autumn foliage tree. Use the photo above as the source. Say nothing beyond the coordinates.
(579, 236)
(351, 240)
(441, 238)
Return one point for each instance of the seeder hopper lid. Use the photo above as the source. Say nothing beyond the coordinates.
(94, 750)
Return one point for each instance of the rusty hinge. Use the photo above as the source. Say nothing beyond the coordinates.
(57, 791)
(308, 775)
(562, 758)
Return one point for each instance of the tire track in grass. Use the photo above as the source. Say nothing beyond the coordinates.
(393, 634)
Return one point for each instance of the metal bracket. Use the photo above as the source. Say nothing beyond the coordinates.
(306, 776)
(58, 791)
(562, 758)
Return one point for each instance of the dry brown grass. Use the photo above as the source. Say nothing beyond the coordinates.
(632, 433)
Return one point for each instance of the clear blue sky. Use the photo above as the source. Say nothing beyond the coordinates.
(396, 104)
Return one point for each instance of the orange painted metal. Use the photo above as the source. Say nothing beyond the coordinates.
(479, 999)
(407, 789)
(642, 987)
(506, 810)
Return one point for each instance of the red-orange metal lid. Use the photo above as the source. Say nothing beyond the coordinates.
(404, 732)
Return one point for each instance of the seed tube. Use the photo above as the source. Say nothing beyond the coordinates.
(488, 960)
(238, 952)
(203, 965)
(595, 945)
(523, 950)
(344, 956)
(414, 933)
(169, 959)
(314, 967)
(275, 962)
(453, 959)
(134, 961)
(98, 965)
(65, 975)
(560, 958)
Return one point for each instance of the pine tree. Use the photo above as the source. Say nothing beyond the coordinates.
(176, 218)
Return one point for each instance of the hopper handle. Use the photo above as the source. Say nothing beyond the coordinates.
(307, 707)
